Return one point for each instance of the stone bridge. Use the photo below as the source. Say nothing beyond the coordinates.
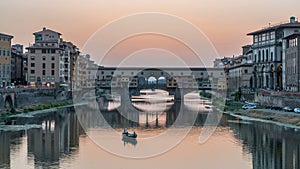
(8, 100)
(14, 98)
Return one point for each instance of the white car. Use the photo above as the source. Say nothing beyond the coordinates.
(297, 110)
(249, 106)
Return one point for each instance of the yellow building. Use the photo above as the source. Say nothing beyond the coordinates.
(5, 59)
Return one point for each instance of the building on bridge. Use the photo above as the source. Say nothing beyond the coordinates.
(5, 59)
(269, 70)
(163, 78)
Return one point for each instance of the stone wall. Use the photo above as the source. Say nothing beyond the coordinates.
(36, 97)
(277, 99)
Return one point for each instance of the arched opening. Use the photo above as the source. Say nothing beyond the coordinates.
(255, 77)
(272, 69)
(162, 81)
(263, 78)
(142, 82)
(8, 102)
(152, 82)
(251, 82)
(267, 55)
(279, 77)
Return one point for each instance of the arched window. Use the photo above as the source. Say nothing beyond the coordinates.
(263, 55)
(267, 55)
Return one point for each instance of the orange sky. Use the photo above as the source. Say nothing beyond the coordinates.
(224, 22)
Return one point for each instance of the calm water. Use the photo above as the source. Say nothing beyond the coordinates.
(61, 141)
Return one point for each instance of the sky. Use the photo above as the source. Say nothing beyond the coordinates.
(224, 22)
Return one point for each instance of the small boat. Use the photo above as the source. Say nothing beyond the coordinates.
(130, 135)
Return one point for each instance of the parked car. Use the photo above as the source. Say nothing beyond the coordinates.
(297, 110)
(249, 106)
(288, 109)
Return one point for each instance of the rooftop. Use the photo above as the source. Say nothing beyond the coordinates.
(6, 36)
(295, 34)
(293, 23)
(45, 29)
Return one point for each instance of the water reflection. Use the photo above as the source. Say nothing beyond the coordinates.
(271, 146)
(58, 137)
(56, 143)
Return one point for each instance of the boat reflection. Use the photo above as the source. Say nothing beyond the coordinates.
(128, 140)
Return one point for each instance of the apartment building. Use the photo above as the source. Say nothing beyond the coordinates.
(50, 59)
(5, 59)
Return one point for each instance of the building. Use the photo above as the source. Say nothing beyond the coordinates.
(164, 78)
(50, 59)
(5, 60)
(17, 65)
(292, 62)
(269, 69)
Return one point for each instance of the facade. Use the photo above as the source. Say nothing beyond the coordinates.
(17, 65)
(5, 60)
(198, 78)
(292, 62)
(268, 54)
(50, 59)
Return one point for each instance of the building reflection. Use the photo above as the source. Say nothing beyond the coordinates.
(271, 146)
(8, 141)
(58, 136)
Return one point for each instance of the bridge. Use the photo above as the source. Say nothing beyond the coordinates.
(16, 97)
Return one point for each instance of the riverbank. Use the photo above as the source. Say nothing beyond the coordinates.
(270, 116)
(30, 111)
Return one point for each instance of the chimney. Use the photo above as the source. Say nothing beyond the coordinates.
(44, 28)
(292, 19)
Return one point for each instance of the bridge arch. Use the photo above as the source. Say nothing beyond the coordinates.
(8, 102)
(152, 80)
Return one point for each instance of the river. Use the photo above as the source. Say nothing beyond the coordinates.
(68, 139)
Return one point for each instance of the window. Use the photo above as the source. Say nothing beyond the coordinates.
(271, 56)
(43, 50)
(32, 51)
(52, 58)
(32, 58)
(44, 72)
(8, 52)
(52, 50)
(246, 71)
(32, 71)
(272, 35)
(52, 72)
(52, 65)
(0, 52)
(44, 65)
(44, 57)
(4, 52)
(32, 64)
